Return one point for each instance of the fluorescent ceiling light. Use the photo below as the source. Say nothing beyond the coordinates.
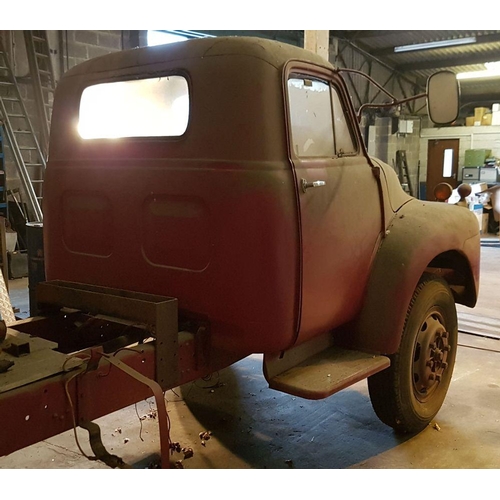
(492, 69)
(438, 44)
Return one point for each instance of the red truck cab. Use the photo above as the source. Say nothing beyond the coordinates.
(231, 174)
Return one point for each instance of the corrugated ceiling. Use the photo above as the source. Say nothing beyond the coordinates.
(419, 63)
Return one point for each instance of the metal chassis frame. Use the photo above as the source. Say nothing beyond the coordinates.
(160, 313)
(39, 410)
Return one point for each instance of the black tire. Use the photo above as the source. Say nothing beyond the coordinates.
(408, 394)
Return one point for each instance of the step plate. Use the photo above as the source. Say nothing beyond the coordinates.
(328, 372)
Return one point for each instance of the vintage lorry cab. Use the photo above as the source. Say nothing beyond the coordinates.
(231, 174)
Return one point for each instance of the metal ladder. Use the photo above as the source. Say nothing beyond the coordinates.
(28, 156)
(403, 174)
(43, 79)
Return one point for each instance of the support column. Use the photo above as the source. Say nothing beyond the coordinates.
(317, 41)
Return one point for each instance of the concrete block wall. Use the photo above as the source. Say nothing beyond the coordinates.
(78, 46)
(68, 48)
(383, 144)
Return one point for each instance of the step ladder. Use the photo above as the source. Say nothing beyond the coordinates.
(4, 205)
(402, 170)
(43, 79)
(22, 140)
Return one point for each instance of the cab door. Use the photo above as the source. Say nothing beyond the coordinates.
(338, 200)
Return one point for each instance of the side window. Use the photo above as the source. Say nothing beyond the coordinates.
(152, 107)
(318, 124)
(311, 117)
(343, 138)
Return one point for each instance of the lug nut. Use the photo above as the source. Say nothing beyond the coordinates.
(431, 376)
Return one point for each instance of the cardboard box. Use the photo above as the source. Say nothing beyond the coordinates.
(478, 212)
(486, 119)
(479, 113)
(494, 193)
(484, 224)
(469, 121)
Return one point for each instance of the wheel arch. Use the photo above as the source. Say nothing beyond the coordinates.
(455, 268)
(422, 238)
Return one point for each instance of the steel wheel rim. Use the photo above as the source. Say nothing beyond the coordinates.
(430, 356)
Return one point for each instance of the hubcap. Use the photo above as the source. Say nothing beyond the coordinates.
(430, 357)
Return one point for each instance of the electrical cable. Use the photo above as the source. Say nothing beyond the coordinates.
(66, 388)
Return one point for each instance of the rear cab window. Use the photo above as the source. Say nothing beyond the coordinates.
(150, 107)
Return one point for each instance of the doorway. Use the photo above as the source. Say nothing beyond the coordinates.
(442, 164)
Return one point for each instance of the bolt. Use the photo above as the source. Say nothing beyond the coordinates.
(429, 363)
(431, 376)
(447, 348)
(438, 378)
(445, 335)
(444, 365)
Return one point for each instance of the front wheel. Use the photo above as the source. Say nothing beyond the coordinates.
(408, 394)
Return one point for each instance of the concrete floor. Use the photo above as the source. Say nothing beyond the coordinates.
(254, 427)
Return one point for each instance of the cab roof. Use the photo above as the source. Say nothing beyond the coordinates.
(275, 53)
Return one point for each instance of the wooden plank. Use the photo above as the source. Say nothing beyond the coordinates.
(317, 41)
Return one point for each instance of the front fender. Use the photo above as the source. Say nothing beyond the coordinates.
(419, 232)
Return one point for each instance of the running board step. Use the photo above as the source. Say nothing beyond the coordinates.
(327, 372)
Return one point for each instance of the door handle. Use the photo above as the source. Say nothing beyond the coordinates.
(306, 185)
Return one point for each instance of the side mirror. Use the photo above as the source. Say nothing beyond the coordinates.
(443, 97)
